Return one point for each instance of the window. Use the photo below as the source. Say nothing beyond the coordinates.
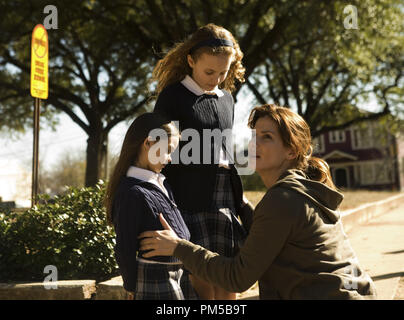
(383, 172)
(337, 136)
(361, 138)
(318, 144)
(376, 172)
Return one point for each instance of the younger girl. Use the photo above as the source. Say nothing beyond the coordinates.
(194, 81)
(137, 193)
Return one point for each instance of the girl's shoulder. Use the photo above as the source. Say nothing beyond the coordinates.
(226, 98)
(137, 193)
(227, 94)
(131, 187)
(172, 90)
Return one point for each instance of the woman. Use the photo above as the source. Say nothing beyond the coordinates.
(194, 81)
(137, 192)
(296, 247)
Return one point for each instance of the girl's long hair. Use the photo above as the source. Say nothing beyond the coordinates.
(174, 66)
(135, 136)
(295, 134)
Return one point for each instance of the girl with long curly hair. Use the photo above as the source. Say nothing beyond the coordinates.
(194, 84)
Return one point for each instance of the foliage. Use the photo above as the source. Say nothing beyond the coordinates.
(68, 171)
(69, 232)
(296, 52)
(98, 76)
(326, 71)
(252, 182)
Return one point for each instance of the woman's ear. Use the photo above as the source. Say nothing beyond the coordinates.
(191, 61)
(291, 154)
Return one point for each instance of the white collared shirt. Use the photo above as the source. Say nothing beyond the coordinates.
(148, 176)
(192, 86)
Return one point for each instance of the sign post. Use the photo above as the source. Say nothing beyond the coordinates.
(39, 90)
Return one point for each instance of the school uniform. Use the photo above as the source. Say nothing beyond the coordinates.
(208, 193)
(140, 197)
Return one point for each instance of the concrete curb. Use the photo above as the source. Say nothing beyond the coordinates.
(364, 213)
(64, 290)
(399, 291)
(111, 290)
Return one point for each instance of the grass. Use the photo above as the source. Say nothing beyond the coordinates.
(352, 198)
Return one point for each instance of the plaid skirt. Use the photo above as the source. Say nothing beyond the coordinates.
(218, 230)
(156, 281)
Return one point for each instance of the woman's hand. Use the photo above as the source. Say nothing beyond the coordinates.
(162, 243)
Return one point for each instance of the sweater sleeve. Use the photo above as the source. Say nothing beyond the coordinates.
(271, 228)
(129, 209)
(164, 104)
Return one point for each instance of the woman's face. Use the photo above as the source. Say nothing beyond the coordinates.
(209, 71)
(269, 152)
(158, 154)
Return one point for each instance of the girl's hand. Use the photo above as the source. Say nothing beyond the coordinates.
(161, 243)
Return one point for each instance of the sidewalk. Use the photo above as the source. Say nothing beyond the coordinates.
(379, 246)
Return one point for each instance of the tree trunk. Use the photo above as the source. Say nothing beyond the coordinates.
(95, 145)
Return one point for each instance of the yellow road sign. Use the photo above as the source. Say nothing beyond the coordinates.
(39, 62)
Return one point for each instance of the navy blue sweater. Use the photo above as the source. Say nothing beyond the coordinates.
(137, 205)
(193, 184)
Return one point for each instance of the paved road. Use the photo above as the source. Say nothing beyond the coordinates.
(379, 246)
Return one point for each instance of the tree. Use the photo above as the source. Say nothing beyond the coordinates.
(103, 53)
(69, 171)
(326, 70)
(98, 74)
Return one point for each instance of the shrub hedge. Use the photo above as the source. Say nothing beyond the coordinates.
(69, 232)
(253, 182)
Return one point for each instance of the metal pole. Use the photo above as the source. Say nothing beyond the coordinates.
(106, 158)
(35, 153)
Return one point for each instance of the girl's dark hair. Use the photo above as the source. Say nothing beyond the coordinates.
(295, 134)
(138, 131)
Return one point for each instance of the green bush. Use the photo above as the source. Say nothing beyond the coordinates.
(69, 232)
(253, 182)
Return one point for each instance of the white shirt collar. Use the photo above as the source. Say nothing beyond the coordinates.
(192, 86)
(148, 176)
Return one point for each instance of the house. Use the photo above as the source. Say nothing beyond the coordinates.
(363, 156)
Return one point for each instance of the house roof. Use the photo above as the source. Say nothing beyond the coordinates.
(337, 154)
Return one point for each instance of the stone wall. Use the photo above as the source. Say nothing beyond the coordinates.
(64, 290)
